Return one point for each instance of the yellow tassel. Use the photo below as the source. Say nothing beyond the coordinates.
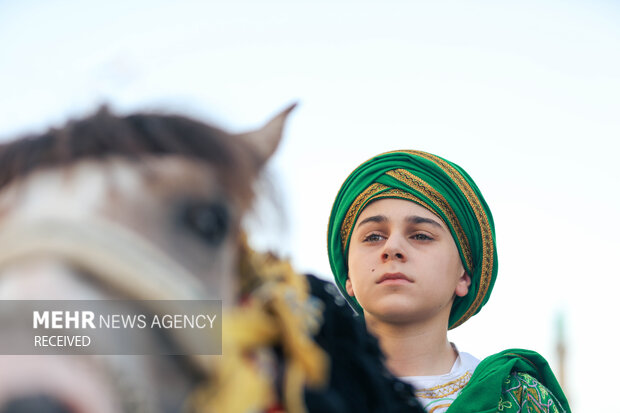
(277, 311)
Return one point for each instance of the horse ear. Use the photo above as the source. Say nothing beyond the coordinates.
(265, 140)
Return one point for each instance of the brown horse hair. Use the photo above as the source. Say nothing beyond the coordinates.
(104, 135)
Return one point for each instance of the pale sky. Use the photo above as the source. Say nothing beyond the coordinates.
(524, 95)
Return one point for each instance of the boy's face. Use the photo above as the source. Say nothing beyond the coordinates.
(403, 264)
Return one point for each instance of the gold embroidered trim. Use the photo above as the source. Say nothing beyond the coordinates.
(483, 221)
(418, 184)
(445, 389)
(399, 193)
(439, 406)
(361, 200)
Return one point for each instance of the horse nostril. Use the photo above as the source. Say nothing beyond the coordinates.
(35, 404)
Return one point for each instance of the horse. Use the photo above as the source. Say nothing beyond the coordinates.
(147, 207)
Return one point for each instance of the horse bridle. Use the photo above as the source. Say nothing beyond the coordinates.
(276, 309)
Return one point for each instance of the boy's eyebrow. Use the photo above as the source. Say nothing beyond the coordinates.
(414, 219)
(374, 218)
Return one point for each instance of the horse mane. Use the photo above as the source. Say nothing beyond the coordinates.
(104, 135)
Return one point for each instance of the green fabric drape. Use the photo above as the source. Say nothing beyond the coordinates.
(484, 390)
(440, 186)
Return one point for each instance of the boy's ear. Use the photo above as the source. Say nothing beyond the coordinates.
(462, 287)
(349, 287)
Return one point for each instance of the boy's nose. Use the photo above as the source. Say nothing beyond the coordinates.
(393, 250)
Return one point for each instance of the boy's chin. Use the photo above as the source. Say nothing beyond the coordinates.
(394, 312)
(404, 311)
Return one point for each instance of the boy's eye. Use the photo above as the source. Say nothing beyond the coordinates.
(373, 238)
(421, 237)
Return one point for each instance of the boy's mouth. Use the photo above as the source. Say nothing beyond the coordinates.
(393, 277)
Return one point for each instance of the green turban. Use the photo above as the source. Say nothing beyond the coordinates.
(441, 187)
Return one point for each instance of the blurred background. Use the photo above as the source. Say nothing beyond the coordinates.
(525, 95)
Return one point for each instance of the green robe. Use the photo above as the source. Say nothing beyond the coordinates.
(513, 380)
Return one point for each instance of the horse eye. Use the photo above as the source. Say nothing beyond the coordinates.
(207, 220)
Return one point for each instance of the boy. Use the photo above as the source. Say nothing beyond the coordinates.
(411, 243)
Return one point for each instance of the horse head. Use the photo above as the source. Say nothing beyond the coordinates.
(140, 207)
